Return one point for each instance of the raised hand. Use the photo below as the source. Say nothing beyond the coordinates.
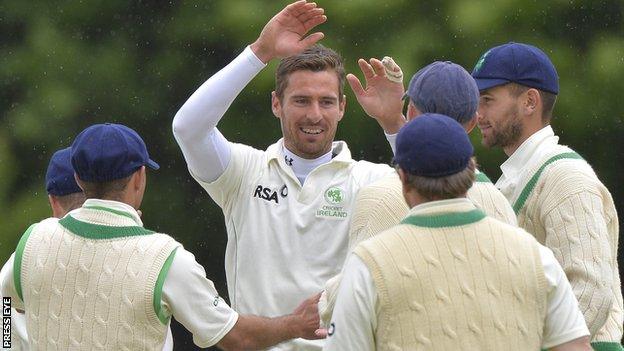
(382, 98)
(284, 34)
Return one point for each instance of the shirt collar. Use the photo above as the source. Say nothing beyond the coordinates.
(443, 206)
(116, 207)
(519, 159)
(340, 151)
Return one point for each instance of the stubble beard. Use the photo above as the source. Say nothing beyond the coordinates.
(508, 134)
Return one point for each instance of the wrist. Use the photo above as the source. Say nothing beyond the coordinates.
(392, 126)
(261, 52)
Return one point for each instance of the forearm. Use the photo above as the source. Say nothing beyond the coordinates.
(580, 344)
(253, 332)
(205, 149)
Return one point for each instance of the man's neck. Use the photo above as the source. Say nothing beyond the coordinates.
(527, 132)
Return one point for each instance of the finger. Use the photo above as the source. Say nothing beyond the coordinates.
(311, 40)
(296, 8)
(321, 333)
(314, 21)
(378, 67)
(355, 85)
(366, 69)
(310, 14)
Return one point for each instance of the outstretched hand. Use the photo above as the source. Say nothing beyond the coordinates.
(382, 98)
(308, 319)
(284, 34)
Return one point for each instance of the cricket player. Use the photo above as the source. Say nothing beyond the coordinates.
(448, 277)
(97, 279)
(64, 195)
(440, 87)
(554, 191)
(287, 208)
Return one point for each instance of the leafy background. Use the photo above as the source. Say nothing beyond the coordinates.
(65, 65)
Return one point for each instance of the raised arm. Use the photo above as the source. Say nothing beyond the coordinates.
(205, 149)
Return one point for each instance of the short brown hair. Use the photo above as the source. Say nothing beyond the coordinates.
(70, 201)
(316, 59)
(105, 190)
(548, 99)
(442, 188)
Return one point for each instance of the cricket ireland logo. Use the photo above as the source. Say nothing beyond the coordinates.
(481, 61)
(334, 195)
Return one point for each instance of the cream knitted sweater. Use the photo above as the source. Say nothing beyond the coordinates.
(89, 282)
(381, 205)
(570, 211)
(456, 281)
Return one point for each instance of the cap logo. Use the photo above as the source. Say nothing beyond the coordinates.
(334, 195)
(481, 61)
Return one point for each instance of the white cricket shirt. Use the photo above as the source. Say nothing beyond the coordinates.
(285, 239)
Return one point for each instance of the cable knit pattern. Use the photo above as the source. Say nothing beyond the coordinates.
(381, 205)
(475, 286)
(572, 213)
(84, 293)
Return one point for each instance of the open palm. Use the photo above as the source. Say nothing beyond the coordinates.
(284, 34)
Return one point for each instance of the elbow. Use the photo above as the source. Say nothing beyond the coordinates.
(178, 127)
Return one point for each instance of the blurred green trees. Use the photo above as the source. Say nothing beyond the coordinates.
(67, 64)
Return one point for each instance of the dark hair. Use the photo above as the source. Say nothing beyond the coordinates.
(442, 188)
(70, 201)
(316, 59)
(548, 99)
(105, 190)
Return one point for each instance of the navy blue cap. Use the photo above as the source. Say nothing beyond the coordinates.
(106, 152)
(518, 63)
(445, 88)
(433, 145)
(60, 175)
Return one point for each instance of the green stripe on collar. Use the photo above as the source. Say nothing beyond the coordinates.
(482, 178)
(98, 231)
(528, 188)
(445, 220)
(117, 212)
(607, 346)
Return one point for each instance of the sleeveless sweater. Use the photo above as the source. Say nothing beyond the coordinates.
(89, 282)
(457, 281)
(570, 211)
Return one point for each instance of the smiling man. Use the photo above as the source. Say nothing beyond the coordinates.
(286, 209)
(554, 191)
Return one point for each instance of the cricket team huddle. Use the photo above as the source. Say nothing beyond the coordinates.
(323, 251)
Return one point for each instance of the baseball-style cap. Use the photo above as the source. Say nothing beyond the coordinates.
(445, 88)
(60, 175)
(433, 145)
(106, 152)
(518, 63)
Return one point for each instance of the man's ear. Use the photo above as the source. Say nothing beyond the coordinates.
(532, 102)
(342, 105)
(276, 105)
(469, 126)
(57, 210)
(78, 181)
(139, 177)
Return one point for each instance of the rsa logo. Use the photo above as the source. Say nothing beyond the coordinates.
(269, 194)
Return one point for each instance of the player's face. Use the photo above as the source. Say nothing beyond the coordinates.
(499, 118)
(309, 112)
